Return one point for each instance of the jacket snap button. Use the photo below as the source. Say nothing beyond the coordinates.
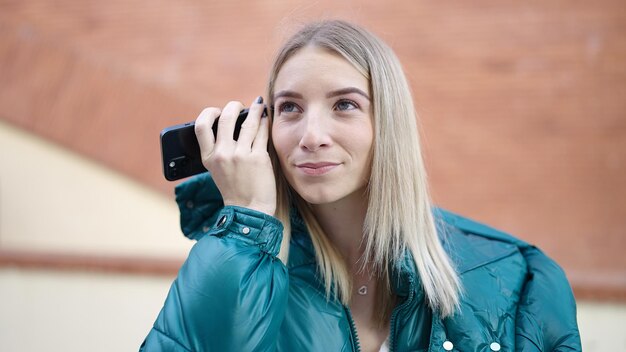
(205, 229)
(222, 221)
(245, 230)
(448, 346)
(495, 346)
(189, 204)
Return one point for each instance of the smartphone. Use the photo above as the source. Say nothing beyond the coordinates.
(180, 150)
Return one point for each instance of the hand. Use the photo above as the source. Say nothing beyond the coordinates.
(241, 169)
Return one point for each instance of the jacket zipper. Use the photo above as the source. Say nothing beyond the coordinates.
(394, 315)
(392, 322)
(355, 336)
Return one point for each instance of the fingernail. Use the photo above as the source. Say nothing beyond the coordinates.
(259, 100)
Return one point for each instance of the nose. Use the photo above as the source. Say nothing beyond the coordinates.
(315, 132)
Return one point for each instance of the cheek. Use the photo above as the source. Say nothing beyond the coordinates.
(363, 142)
(281, 142)
(365, 158)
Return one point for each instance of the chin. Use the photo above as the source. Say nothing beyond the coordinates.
(327, 194)
(317, 197)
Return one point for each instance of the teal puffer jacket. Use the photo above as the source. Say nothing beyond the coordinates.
(233, 294)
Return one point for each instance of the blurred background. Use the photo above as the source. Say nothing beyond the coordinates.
(522, 107)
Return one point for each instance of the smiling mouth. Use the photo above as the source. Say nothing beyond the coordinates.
(316, 169)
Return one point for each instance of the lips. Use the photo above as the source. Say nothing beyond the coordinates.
(316, 169)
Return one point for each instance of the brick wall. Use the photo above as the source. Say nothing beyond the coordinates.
(522, 104)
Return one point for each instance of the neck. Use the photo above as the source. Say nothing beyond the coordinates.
(342, 222)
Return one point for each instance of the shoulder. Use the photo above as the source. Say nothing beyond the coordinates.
(471, 244)
(500, 272)
(467, 225)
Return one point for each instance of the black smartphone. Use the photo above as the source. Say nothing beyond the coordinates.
(180, 150)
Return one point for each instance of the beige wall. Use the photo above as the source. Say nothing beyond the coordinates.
(54, 200)
(76, 311)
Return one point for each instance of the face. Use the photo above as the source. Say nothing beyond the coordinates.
(322, 129)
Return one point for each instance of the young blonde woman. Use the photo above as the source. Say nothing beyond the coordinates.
(323, 237)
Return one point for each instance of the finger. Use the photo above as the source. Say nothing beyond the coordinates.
(250, 126)
(203, 130)
(262, 136)
(226, 123)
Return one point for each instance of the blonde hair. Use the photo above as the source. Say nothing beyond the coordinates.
(399, 215)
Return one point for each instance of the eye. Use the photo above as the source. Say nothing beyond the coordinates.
(287, 107)
(345, 104)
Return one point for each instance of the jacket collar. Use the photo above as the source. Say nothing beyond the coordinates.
(470, 244)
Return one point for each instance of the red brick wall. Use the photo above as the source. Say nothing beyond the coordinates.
(522, 104)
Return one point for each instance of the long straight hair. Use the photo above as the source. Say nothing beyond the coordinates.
(399, 215)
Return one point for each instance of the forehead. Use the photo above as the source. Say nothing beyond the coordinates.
(313, 66)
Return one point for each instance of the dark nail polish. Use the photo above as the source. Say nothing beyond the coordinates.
(259, 100)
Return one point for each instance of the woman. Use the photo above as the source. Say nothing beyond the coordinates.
(329, 242)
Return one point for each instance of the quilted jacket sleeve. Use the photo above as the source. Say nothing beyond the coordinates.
(231, 292)
(546, 317)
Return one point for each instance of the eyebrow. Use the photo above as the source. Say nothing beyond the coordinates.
(334, 93)
(288, 94)
(348, 90)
